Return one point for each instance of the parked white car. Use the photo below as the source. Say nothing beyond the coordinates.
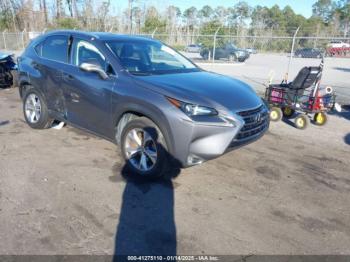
(193, 48)
(338, 44)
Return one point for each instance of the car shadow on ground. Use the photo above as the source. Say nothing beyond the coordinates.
(345, 113)
(146, 222)
(347, 139)
(288, 121)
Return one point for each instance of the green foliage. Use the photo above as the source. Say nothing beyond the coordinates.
(210, 28)
(5, 20)
(68, 23)
(179, 47)
(190, 13)
(323, 9)
(153, 23)
(206, 11)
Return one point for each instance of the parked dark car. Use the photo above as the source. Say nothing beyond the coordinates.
(229, 52)
(138, 93)
(308, 53)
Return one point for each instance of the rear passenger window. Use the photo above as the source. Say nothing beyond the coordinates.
(55, 48)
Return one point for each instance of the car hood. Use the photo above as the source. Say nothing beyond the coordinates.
(4, 56)
(205, 88)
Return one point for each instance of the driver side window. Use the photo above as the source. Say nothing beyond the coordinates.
(85, 52)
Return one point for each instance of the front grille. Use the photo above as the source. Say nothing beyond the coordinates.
(255, 122)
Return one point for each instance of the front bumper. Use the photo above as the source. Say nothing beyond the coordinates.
(199, 142)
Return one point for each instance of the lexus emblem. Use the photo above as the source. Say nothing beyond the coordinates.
(258, 118)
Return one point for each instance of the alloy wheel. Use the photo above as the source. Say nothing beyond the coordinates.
(140, 149)
(33, 108)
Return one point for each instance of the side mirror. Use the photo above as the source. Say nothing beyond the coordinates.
(93, 68)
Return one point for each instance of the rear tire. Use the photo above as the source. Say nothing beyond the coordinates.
(301, 122)
(144, 148)
(275, 114)
(35, 110)
(205, 55)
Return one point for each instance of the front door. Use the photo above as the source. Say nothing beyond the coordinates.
(87, 95)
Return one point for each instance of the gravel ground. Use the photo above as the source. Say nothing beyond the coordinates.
(63, 192)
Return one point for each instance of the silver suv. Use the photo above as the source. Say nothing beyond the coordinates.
(138, 93)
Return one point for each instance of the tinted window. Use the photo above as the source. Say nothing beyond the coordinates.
(85, 52)
(55, 48)
(148, 57)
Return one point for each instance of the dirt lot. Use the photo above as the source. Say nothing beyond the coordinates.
(62, 192)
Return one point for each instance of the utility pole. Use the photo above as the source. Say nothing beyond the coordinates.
(214, 45)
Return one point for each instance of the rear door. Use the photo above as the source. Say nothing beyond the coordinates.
(53, 55)
(87, 95)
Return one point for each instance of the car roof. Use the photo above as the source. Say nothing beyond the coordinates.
(102, 35)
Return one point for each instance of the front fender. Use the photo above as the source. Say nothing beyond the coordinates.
(149, 110)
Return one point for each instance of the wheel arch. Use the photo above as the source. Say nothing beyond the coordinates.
(132, 112)
(23, 85)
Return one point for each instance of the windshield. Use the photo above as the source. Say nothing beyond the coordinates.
(148, 58)
(232, 46)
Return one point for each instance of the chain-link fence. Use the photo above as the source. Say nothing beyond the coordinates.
(181, 41)
(267, 58)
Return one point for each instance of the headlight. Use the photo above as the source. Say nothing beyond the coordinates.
(191, 109)
(240, 53)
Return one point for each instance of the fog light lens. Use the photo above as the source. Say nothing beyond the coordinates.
(194, 160)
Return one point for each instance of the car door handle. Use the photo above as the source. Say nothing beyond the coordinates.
(36, 65)
(68, 76)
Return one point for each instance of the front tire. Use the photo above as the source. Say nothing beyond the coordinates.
(144, 148)
(35, 110)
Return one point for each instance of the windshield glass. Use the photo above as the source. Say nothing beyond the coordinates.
(232, 46)
(148, 57)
